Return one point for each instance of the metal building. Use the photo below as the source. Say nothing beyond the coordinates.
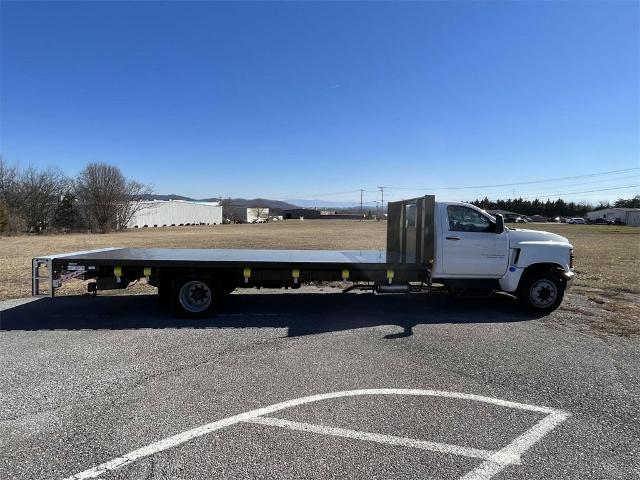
(630, 216)
(248, 214)
(165, 213)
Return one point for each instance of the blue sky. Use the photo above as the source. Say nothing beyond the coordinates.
(307, 100)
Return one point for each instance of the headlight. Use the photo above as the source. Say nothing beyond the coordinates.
(571, 258)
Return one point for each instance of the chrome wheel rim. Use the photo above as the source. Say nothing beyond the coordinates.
(543, 293)
(195, 296)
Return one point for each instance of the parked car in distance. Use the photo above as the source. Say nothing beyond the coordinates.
(576, 221)
(603, 221)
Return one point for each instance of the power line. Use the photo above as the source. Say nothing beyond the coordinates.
(604, 183)
(625, 187)
(518, 183)
(380, 190)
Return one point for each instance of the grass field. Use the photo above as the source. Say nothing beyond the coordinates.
(607, 257)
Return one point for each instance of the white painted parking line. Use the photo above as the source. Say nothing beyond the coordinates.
(385, 439)
(485, 471)
(517, 447)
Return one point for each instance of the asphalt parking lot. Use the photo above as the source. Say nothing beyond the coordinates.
(313, 385)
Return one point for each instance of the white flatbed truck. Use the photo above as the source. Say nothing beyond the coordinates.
(431, 246)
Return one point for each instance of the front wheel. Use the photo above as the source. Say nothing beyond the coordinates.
(541, 292)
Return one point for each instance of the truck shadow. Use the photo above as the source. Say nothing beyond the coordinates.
(300, 313)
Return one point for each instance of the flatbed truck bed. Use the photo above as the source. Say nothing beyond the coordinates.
(115, 268)
(447, 245)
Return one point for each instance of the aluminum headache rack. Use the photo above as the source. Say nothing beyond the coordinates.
(51, 279)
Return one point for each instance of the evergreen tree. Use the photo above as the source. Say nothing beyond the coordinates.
(66, 215)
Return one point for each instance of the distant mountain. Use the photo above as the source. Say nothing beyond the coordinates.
(265, 202)
(171, 196)
(254, 202)
(323, 203)
(236, 202)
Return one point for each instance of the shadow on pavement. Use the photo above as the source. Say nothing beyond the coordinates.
(300, 313)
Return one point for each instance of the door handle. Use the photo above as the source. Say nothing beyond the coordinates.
(452, 238)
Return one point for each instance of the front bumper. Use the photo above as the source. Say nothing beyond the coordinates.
(569, 278)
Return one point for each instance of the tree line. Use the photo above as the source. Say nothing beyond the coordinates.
(552, 208)
(99, 199)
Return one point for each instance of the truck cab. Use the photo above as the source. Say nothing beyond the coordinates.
(475, 246)
(469, 250)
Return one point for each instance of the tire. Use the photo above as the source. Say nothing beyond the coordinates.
(196, 297)
(541, 291)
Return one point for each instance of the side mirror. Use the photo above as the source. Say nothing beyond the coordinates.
(499, 224)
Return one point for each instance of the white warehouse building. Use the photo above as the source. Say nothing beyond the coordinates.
(630, 216)
(165, 213)
(248, 214)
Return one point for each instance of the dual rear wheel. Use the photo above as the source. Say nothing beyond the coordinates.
(194, 296)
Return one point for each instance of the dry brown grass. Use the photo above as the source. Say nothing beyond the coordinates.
(607, 257)
(607, 287)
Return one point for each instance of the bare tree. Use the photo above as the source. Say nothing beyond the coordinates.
(108, 200)
(8, 196)
(4, 217)
(259, 214)
(229, 210)
(38, 193)
(8, 184)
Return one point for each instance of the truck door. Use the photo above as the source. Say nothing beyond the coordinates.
(470, 246)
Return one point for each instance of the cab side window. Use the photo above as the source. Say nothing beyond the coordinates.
(465, 219)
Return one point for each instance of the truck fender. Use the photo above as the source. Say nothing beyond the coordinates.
(511, 280)
(534, 255)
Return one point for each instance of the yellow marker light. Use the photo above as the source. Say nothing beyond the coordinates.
(247, 274)
(117, 272)
(295, 273)
(147, 271)
(390, 275)
(345, 274)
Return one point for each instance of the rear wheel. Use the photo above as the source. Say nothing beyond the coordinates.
(196, 297)
(541, 291)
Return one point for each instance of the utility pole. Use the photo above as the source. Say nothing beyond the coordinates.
(361, 192)
(382, 201)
